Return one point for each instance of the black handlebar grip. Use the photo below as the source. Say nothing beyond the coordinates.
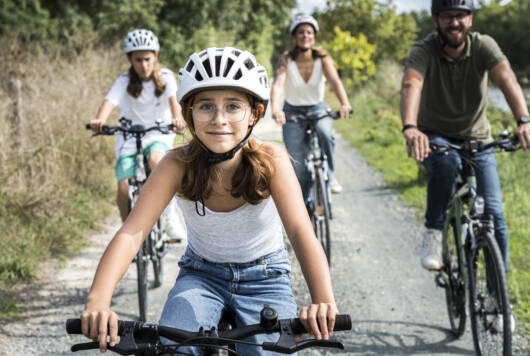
(87, 126)
(73, 326)
(342, 323)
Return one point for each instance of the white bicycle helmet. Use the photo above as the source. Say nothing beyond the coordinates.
(304, 19)
(218, 68)
(140, 40)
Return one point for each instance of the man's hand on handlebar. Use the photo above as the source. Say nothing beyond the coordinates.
(417, 144)
(279, 116)
(523, 132)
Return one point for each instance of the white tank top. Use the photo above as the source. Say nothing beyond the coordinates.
(241, 235)
(301, 93)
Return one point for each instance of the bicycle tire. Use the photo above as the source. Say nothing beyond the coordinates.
(157, 253)
(321, 214)
(141, 268)
(455, 292)
(488, 297)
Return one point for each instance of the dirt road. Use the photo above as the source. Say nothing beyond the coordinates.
(395, 306)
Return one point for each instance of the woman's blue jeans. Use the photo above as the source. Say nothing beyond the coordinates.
(297, 142)
(442, 173)
(204, 290)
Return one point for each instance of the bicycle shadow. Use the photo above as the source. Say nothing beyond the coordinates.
(416, 339)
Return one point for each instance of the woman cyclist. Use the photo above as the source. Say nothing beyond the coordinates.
(145, 95)
(235, 192)
(300, 78)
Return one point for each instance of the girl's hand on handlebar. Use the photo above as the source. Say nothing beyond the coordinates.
(96, 322)
(278, 116)
(322, 314)
(97, 124)
(523, 132)
(345, 111)
(417, 144)
(179, 124)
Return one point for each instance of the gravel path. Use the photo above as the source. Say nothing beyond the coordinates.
(395, 306)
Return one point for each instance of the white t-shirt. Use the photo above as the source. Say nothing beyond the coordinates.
(144, 110)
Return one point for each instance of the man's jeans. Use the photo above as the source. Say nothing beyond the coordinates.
(297, 142)
(442, 173)
(204, 289)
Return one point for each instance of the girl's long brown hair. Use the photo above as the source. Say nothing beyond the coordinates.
(135, 82)
(251, 181)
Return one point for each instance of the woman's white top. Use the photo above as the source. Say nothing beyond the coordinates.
(144, 110)
(241, 235)
(298, 92)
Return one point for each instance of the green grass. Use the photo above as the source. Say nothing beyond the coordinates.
(375, 131)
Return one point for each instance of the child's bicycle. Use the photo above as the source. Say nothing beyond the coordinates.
(472, 259)
(137, 338)
(319, 199)
(154, 246)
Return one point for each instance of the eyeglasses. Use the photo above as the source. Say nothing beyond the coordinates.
(233, 111)
(448, 18)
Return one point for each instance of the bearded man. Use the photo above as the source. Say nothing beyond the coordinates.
(443, 100)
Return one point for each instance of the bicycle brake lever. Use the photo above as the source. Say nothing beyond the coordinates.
(95, 346)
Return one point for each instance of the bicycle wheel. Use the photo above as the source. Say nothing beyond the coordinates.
(455, 293)
(320, 214)
(141, 268)
(489, 306)
(156, 249)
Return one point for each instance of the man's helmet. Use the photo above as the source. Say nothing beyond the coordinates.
(223, 68)
(301, 20)
(443, 5)
(140, 40)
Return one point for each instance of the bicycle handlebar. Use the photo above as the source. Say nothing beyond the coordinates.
(507, 144)
(140, 337)
(305, 117)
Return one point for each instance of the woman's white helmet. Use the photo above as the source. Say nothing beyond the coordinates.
(140, 40)
(223, 68)
(304, 19)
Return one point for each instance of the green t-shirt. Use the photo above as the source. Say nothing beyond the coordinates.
(453, 99)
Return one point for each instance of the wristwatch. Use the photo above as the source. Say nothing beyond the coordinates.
(523, 120)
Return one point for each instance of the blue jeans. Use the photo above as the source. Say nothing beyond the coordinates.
(297, 142)
(204, 290)
(442, 172)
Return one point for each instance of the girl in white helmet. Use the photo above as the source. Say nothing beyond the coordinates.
(235, 192)
(145, 94)
(299, 78)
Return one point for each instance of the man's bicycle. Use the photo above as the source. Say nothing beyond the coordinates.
(472, 259)
(319, 200)
(154, 246)
(137, 338)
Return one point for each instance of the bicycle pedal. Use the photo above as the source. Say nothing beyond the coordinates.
(440, 280)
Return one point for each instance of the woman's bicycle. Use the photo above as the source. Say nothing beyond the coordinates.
(319, 200)
(154, 246)
(472, 259)
(137, 338)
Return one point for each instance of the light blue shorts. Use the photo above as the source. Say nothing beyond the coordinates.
(125, 164)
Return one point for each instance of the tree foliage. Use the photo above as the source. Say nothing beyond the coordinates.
(391, 34)
(352, 56)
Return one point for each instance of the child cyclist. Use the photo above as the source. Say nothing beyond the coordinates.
(235, 192)
(145, 94)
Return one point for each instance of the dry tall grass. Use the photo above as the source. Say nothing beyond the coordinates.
(47, 159)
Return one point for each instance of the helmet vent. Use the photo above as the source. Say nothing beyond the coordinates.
(249, 64)
(229, 64)
(238, 74)
(206, 64)
(198, 76)
(189, 67)
(217, 65)
(236, 52)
